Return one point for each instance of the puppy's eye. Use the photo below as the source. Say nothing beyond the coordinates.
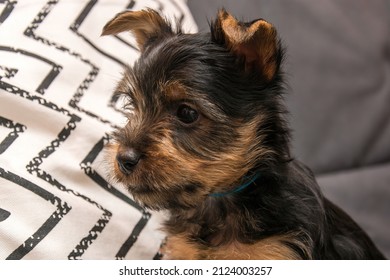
(186, 114)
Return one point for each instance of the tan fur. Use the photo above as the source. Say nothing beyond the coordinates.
(179, 248)
(271, 248)
(143, 24)
(257, 43)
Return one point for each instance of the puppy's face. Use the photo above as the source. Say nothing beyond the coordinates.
(198, 108)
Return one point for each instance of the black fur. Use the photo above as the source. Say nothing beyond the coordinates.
(284, 200)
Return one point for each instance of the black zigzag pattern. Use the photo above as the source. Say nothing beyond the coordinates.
(15, 128)
(61, 210)
(56, 114)
(45, 83)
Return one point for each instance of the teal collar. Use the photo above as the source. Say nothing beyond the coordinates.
(238, 189)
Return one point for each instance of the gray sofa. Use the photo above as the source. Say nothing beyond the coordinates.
(338, 73)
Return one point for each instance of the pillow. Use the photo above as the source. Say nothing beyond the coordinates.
(57, 77)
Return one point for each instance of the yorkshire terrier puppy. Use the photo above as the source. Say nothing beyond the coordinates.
(207, 140)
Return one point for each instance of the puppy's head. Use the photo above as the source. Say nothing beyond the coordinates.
(204, 109)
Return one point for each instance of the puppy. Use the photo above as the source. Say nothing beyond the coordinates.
(206, 139)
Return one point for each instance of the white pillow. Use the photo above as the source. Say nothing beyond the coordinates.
(57, 77)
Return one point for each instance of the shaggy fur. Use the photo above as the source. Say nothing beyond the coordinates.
(206, 117)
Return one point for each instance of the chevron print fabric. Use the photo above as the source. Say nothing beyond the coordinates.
(57, 111)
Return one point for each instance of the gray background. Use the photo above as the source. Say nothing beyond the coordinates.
(338, 72)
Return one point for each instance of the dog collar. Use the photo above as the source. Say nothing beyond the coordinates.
(238, 189)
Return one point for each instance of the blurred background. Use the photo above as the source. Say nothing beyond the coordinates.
(338, 74)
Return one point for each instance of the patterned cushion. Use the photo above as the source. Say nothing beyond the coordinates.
(57, 110)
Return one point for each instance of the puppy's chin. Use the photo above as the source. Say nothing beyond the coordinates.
(169, 200)
(155, 196)
(140, 189)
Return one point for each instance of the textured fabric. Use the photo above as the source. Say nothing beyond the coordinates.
(338, 82)
(364, 194)
(57, 77)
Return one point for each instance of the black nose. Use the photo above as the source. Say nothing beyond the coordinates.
(127, 159)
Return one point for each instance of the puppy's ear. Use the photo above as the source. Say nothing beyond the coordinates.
(146, 25)
(255, 43)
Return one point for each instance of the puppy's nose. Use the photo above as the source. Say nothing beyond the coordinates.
(127, 159)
